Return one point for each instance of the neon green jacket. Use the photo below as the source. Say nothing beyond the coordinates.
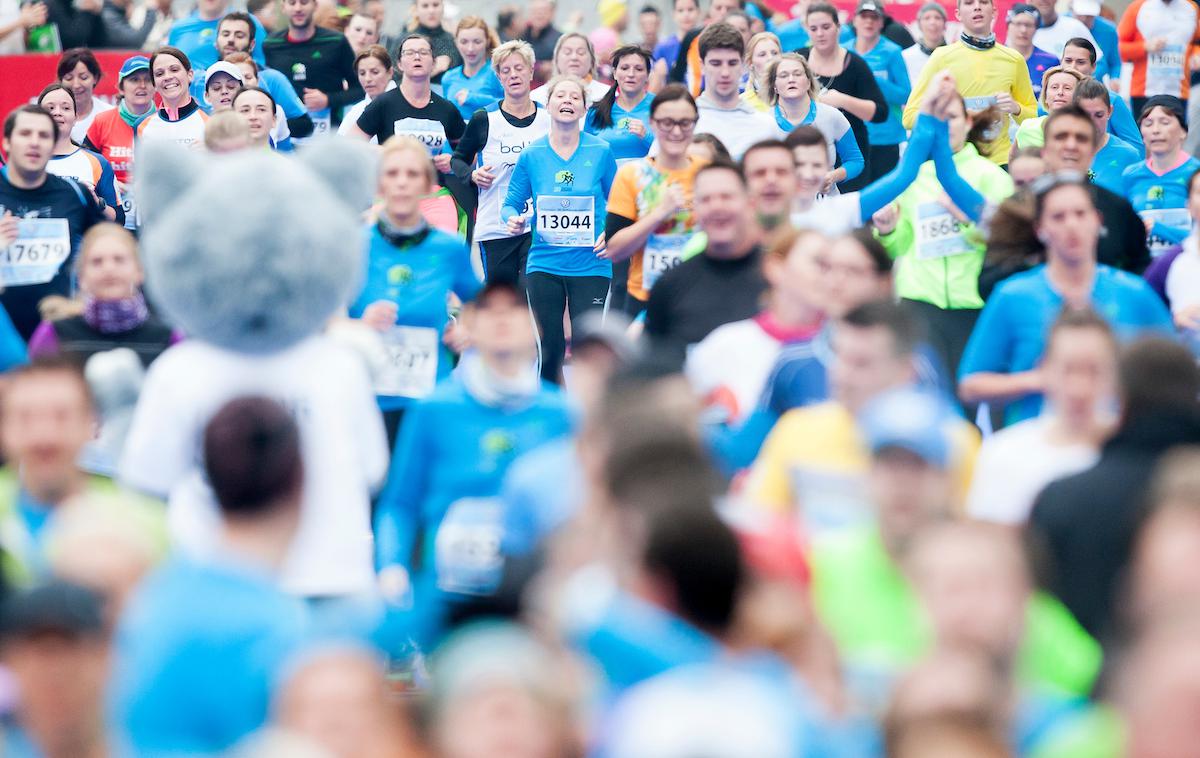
(938, 258)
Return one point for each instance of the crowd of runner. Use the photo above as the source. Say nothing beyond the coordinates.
(797, 383)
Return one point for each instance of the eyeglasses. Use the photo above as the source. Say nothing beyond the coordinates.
(669, 124)
(783, 76)
(416, 54)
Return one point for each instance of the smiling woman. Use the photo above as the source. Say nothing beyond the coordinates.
(180, 119)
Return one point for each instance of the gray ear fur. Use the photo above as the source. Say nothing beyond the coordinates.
(348, 166)
(165, 170)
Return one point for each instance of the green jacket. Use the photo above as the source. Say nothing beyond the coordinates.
(938, 258)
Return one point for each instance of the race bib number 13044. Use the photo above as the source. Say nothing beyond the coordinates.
(566, 221)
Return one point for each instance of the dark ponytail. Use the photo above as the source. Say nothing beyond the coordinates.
(602, 110)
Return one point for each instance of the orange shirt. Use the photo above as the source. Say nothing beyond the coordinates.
(113, 138)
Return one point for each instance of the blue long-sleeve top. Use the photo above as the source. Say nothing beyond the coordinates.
(452, 446)
(1105, 34)
(1123, 124)
(625, 144)
(570, 203)
(482, 89)
(837, 130)
(891, 74)
(415, 272)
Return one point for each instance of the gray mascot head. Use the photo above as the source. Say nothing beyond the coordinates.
(253, 251)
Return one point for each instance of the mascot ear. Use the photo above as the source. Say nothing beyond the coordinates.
(347, 166)
(165, 170)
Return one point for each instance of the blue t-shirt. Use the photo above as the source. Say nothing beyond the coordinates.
(1010, 336)
(1037, 63)
(198, 654)
(626, 145)
(482, 90)
(1123, 124)
(416, 275)
(1110, 163)
(452, 447)
(542, 491)
(1163, 200)
(1105, 34)
(198, 39)
(570, 204)
(793, 35)
(667, 50)
(887, 64)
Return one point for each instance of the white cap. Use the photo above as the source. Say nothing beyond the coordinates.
(1085, 7)
(224, 67)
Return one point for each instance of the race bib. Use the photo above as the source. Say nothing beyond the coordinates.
(939, 234)
(411, 362)
(322, 121)
(980, 103)
(129, 208)
(566, 221)
(1175, 217)
(429, 133)
(467, 554)
(41, 247)
(1164, 71)
(661, 254)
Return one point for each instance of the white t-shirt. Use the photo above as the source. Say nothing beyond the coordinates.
(80, 130)
(1015, 464)
(1054, 38)
(729, 367)
(738, 128)
(350, 117)
(914, 60)
(833, 215)
(1183, 278)
(343, 443)
(14, 42)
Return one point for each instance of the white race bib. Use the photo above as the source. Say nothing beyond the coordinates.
(129, 208)
(939, 234)
(430, 133)
(411, 362)
(661, 254)
(1164, 71)
(980, 103)
(566, 220)
(467, 554)
(1176, 217)
(41, 247)
(322, 121)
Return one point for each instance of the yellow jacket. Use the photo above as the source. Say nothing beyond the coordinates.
(981, 75)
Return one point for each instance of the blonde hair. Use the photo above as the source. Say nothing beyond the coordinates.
(574, 35)
(558, 79)
(475, 22)
(786, 239)
(225, 126)
(761, 37)
(1057, 70)
(513, 47)
(773, 69)
(402, 143)
(57, 307)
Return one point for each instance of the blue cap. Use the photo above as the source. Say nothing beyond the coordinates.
(133, 65)
(919, 422)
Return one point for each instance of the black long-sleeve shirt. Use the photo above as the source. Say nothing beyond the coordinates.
(856, 80)
(76, 28)
(119, 33)
(325, 62)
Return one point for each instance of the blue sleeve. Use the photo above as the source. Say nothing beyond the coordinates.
(1173, 234)
(490, 92)
(520, 189)
(283, 92)
(852, 157)
(1124, 125)
(466, 283)
(889, 187)
(260, 36)
(988, 347)
(12, 348)
(1155, 315)
(735, 449)
(107, 189)
(896, 88)
(965, 197)
(397, 514)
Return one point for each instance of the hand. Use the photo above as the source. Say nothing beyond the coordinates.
(380, 315)
(483, 177)
(945, 201)
(34, 14)
(1188, 317)
(461, 97)
(456, 337)
(315, 99)
(8, 229)
(1148, 224)
(1194, 61)
(832, 98)
(394, 585)
(1156, 44)
(673, 200)
(441, 162)
(516, 225)
(935, 94)
(1005, 102)
(636, 128)
(830, 180)
(600, 245)
(1115, 84)
(886, 218)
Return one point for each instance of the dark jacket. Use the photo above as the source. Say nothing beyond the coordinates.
(1086, 523)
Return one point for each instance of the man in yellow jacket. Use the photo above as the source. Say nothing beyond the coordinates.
(988, 75)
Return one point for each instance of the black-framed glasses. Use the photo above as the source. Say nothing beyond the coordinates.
(669, 124)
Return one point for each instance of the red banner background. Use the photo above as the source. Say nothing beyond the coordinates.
(22, 77)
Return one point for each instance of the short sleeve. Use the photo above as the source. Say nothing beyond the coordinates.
(623, 198)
